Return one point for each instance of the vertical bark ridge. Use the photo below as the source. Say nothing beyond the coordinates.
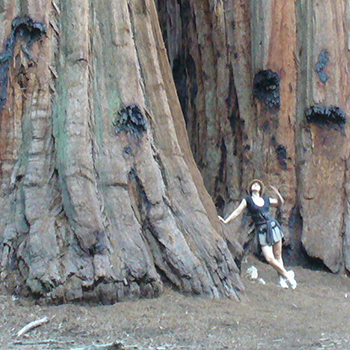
(75, 163)
(237, 16)
(30, 181)
(183, 185)
(9, 143)
(114, 159)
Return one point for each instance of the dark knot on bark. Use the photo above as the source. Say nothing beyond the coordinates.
(266, 87)
(26, 30)
(132, 120)
(323, 59)
(332, 116)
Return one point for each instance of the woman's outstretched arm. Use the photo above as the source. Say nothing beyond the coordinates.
(235, 213)
(276, 202)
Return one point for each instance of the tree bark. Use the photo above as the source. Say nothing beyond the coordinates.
(272, 131)
(263, 86)
(101, 197)
(235, 137)
(211, 67)
(324, 147)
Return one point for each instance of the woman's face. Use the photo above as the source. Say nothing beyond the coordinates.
(255, 187)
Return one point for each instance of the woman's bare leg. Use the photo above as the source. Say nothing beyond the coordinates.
(277, 253)
(270, 258)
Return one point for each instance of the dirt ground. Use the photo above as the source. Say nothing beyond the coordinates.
(314, 316)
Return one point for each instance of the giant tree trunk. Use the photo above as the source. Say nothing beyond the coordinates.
(101, 198)
(235, 135)
(264, 89)
(212, 71)
(323, 142)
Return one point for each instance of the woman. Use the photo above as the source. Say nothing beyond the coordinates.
(269, 230)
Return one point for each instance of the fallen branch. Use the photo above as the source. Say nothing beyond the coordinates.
(32, 325)
(41, 342)
(111, 346)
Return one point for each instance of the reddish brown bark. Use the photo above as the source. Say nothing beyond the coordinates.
(101, 197)
(237, 133)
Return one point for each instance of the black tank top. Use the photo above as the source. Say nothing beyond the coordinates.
(259, 214)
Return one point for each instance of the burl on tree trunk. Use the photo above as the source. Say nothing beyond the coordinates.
(100, 197)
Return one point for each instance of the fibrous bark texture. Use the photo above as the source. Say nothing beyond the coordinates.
(101, 198)
(263, 86)
(324, 148)
(209, 57)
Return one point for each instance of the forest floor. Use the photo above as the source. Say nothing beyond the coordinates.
(316, 315)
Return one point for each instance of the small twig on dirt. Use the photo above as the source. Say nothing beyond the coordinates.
(278, 340)
(32, 325)
(111, 346)
(41, 342)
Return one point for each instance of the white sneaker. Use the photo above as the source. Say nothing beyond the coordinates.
(283, 283)
(291, 279)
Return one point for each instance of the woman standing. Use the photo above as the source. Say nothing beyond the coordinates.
(269, 230)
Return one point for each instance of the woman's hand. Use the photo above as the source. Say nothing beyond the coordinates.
(235, 213)
(279, 197)
(274, 189)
